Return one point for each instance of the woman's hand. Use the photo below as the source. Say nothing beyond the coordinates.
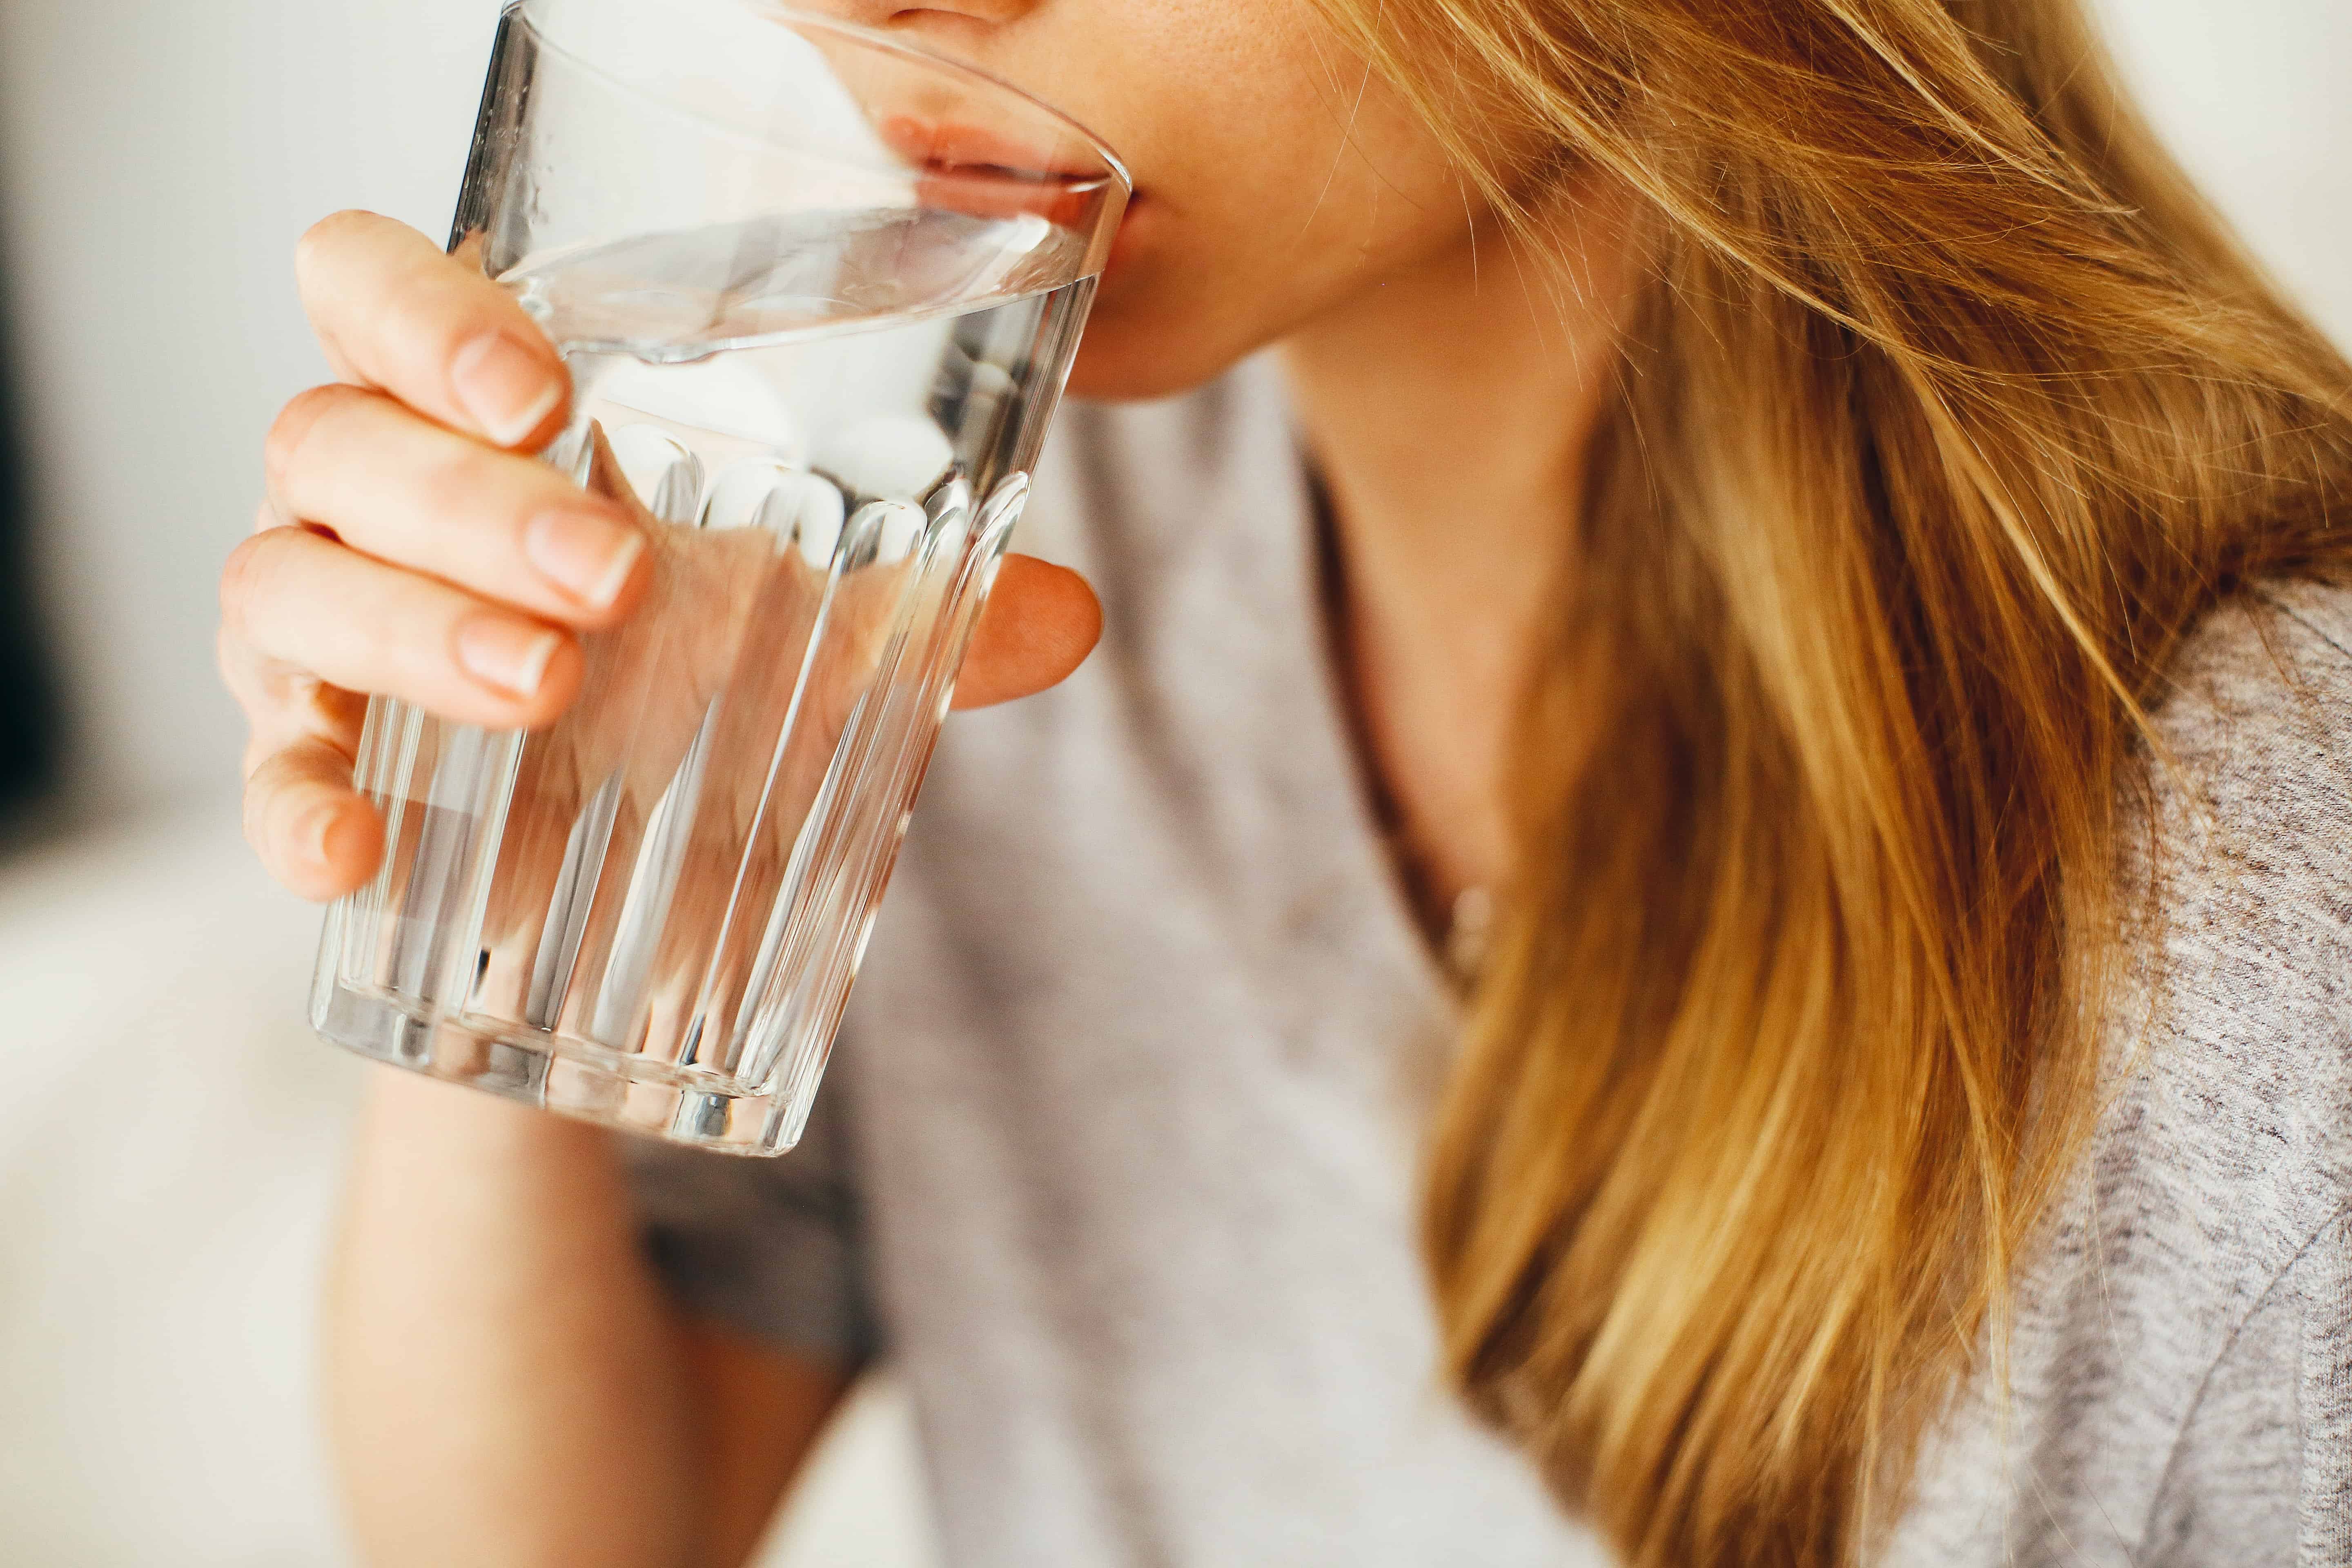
(410, 546)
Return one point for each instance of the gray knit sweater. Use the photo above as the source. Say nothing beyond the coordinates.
(1118, 1156)
(2182, 1385)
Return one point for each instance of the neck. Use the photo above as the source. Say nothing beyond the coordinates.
(1448, 409)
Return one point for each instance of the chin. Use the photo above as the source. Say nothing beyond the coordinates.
(1159, 329)
(1123, 359)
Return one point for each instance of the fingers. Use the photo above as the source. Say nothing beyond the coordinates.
(1039, 624)
(283, 704)
(407, 491)
(313, 833)
(394, 312)
(409, 636)
(299, 599)
(308, 622)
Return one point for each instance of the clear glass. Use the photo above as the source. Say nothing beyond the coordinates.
(818, 293)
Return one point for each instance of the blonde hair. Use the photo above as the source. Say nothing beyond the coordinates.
(1947, 411)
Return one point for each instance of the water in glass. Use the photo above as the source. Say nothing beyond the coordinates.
(654, 905)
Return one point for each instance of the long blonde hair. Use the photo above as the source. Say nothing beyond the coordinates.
(1949, 410)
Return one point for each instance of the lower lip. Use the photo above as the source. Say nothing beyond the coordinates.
(928, 143)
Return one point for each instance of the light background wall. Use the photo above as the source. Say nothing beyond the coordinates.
(159, 157)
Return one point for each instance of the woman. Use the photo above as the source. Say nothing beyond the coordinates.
(1795, 506)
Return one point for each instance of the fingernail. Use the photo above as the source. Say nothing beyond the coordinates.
(499, 653)
(587, 555)
(505, 387)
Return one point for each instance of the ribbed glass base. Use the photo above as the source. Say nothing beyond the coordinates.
(631, 1093)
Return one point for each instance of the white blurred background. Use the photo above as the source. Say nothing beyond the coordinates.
(168, 1136)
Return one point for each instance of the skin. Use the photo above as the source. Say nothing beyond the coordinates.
(490, 1320)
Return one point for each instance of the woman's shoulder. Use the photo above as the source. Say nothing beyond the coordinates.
(2242, 1023)
(2270, 668)
(2174, 1387)
(2251, 784)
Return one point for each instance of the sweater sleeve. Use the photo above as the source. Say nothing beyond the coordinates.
(770, 1248)
(2262, 1473)
(2323, 1290)
(2179, 1388)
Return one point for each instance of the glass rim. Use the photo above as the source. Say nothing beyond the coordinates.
(1114, 168)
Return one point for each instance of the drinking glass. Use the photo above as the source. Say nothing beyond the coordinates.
(818, 292)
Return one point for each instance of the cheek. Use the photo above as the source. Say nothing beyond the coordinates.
(1274, 188)
(1277, 178)
(1222, 268)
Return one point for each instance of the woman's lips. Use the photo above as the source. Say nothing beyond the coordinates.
(991, 172)
(1005, 153)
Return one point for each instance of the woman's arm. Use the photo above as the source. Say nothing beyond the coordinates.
(507, 1383)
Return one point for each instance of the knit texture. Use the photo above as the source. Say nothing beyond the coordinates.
(1117, 1159)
